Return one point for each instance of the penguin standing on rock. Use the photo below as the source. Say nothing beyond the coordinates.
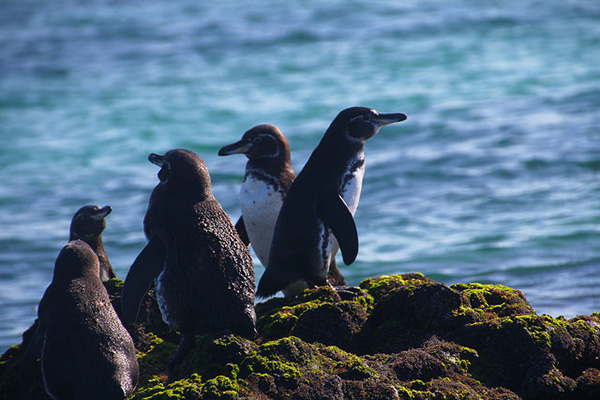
(317, 215)
(87, 224)
(205, 278)
(268, 178)
(86, 352)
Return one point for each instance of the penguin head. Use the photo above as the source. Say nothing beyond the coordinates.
(76, 259)
(361, 123)
(184, 172)
(88, 222)
(260, 142)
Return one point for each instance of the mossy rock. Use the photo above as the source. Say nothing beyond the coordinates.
(406, 316)
(491, 301)
(394, 337)
(317, 315)
(380, 286)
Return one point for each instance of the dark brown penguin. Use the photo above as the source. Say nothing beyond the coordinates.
(87, 224)
(205, 278)
(86, 352)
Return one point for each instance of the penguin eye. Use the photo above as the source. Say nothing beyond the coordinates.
(257, 139)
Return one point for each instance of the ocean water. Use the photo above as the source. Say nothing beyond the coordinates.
(494, 178)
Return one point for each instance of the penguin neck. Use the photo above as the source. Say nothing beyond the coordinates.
(195, 192)
(93, 240)
(277, 169)
(340, 153)
(270, 165)
(98, 248)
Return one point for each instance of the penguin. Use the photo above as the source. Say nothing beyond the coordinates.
(205, 277)
(87, 224)
(268, 177)
(86, 351)
(317, 215)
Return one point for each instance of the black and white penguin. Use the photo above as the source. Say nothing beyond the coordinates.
(205, 275)
(268, 178)
(86, 352)
(87, 224)
(317, 214)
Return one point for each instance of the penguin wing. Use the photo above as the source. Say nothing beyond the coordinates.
(334, 212)
(146, 267)
(240, 227)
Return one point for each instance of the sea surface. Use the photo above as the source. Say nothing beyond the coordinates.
(494, 178)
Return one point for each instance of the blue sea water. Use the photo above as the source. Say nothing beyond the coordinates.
(494, 178)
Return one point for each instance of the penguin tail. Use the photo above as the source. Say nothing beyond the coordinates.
(273, 280)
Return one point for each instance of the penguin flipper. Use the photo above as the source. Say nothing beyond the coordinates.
(334, 212)
(143, 271)
(240, 227)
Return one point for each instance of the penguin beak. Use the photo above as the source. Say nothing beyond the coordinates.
(103, 212)
(386, 119)
(156, 159)
(165, 169)
(240, 147)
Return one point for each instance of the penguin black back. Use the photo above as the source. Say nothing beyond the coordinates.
(86, 351)
(87, 224)
(205, 276)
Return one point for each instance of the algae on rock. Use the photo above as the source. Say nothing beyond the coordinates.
(394, 337)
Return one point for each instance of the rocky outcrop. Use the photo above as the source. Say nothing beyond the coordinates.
(393, 337)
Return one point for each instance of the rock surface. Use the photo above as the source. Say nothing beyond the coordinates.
(394, 337)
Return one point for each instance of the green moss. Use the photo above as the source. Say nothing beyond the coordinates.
(114, 285)
(354, 369)
(221, 387)
(321, 294)
(536, 328)
(190, 388)
(487, 302)
(367, 301)
(405, 393)
(154, 360)
(279, 323)
(380, 286)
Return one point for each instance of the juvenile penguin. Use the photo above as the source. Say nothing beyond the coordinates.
(87, 224)
(86, 351)
(205, 276)
(268, 178)
(317, 214)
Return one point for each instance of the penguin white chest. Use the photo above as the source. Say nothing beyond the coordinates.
(351, 184)
(260, 203)
(350, 189)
